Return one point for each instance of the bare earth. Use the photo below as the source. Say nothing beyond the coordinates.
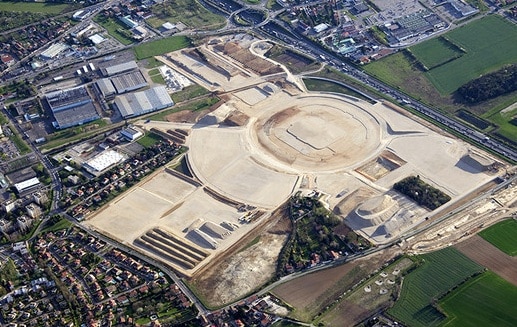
(239, 274)
(487, 255)
(311, 293)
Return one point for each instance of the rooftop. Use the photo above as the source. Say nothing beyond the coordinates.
(104, 160)
(138, 103)
(120, 68)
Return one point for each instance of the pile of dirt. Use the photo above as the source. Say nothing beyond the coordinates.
(236, 118)
(351, 201)
(187, 116)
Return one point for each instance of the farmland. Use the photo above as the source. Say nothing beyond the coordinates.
(503, 236)
(439, 272)
(435, 52)
(189, 12)
(496, 297)
(478, 38)
(310, 294)
(159, 47)
(374, 294)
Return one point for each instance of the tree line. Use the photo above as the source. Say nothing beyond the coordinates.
(490, 85)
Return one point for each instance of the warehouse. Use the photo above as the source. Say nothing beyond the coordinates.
(129, 82)
(106, 88)
(120, 68)
(139, 103)
(71, 107)
(103, 161)
(53, 51)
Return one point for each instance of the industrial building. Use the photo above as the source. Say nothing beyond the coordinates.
(53, 51)
(106, 88)
(129, 82)
(131, 133)
(103, 161)
(27, 185)
(139, 103)
(71, 107)
(120, 68)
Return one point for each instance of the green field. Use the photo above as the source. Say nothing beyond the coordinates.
(478, 39)
(503, 235)
(487, 300)
(189, 12)
(34, 7)
(325, 86)
(196, 105)
(149, 140)
(159, 47)
(435, 52)
(114, 28)
(189, 92)
(435, 87)
(439, 272)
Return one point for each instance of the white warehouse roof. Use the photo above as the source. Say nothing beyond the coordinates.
(20, 187)
(139, 103)
(104, 160)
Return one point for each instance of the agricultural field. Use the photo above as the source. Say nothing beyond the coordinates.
(310, 294)
(435, 52)
(503, 235)
(159, 47)
(438, 273)
(487, 300)
(189, 12)
(478, 39)
(373, 295)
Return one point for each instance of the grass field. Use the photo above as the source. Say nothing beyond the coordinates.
(478, 39)
(503, 235)
(435, 52)
(324, 86)
(189, 12)
(113, 26)
(487, 300)
(36, 7)
(149, 140)
(439, 273)
(60, 224)
(200, 104)
(190, 92)
(435, 87)
(159, 47)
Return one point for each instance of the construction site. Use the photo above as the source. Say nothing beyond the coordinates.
(268, 139)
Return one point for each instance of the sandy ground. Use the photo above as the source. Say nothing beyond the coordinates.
(171, 204)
